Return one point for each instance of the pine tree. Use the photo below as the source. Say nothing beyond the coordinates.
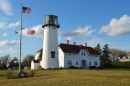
(98, 48)
(105, 55)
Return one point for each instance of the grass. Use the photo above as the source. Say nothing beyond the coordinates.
(71, 77)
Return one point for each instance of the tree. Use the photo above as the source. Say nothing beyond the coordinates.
(98, 48)
(4, 61)
(105, 55)
(117, 52)
(14, 63)
(27, 60)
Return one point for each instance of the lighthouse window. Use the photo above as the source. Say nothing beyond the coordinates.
(52, 54)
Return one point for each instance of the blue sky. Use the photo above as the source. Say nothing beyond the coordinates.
(91, 21)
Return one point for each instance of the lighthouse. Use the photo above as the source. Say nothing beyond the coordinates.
(50, 43)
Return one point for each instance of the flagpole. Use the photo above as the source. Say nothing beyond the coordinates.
(20, 40)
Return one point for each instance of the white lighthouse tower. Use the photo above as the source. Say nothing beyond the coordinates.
(50, 46)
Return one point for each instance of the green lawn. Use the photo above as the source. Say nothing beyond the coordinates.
(71, 77)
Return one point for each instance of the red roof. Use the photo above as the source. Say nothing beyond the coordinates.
(68, 48)
(39, 50)
(36, 61)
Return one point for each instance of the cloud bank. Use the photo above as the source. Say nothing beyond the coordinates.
(12, 25)
(77, 34)
(8, 43)
(9, 51)
(2, 24)
(5, 6)
(117, 27)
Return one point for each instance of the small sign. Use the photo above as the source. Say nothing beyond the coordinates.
(22, 74)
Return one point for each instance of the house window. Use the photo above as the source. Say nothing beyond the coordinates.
(89, 62)
(84, 53)
(76, 62)
(69, 54)
(69, 62)
(52, 54)
(95, 62)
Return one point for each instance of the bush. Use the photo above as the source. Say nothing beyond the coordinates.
(80, 68)
(92, 67)
(39, 67)
(31, 73)
(60, 68)
(11, 74)
(73, 67)
(49, 68)
(125, 65)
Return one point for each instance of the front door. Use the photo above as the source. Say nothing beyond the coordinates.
(83, 63)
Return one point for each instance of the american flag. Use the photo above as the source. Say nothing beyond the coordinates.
(31, 32)
(26, 10)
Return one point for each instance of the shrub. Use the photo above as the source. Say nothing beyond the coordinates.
(39, 67)
(73, 67)
(31, 73)
(125, 65)
(11, 74)
(92, 67)
(49, 68)
(80, 68)
(60, 68)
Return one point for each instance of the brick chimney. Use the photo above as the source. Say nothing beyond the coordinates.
(85, 44)
(80, 45)
(74, 43)
(67, 41)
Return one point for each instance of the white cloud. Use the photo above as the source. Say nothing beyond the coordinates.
(2, 24)
(74, 34)
(77, 34)
(3, 18)
(11, 25)
(9, 51)
(38, 31)
(94, 42)
(117, 27)
(8, 43)
(5, 6)
(5, 34)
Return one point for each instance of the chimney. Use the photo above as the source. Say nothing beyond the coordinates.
(85, 44)
(74, 43)
(67, 41)
(80, 45)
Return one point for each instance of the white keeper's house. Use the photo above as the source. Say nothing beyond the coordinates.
(63, 55)
(80, 56)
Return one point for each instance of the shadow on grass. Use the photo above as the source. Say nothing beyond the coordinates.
(2, 75)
